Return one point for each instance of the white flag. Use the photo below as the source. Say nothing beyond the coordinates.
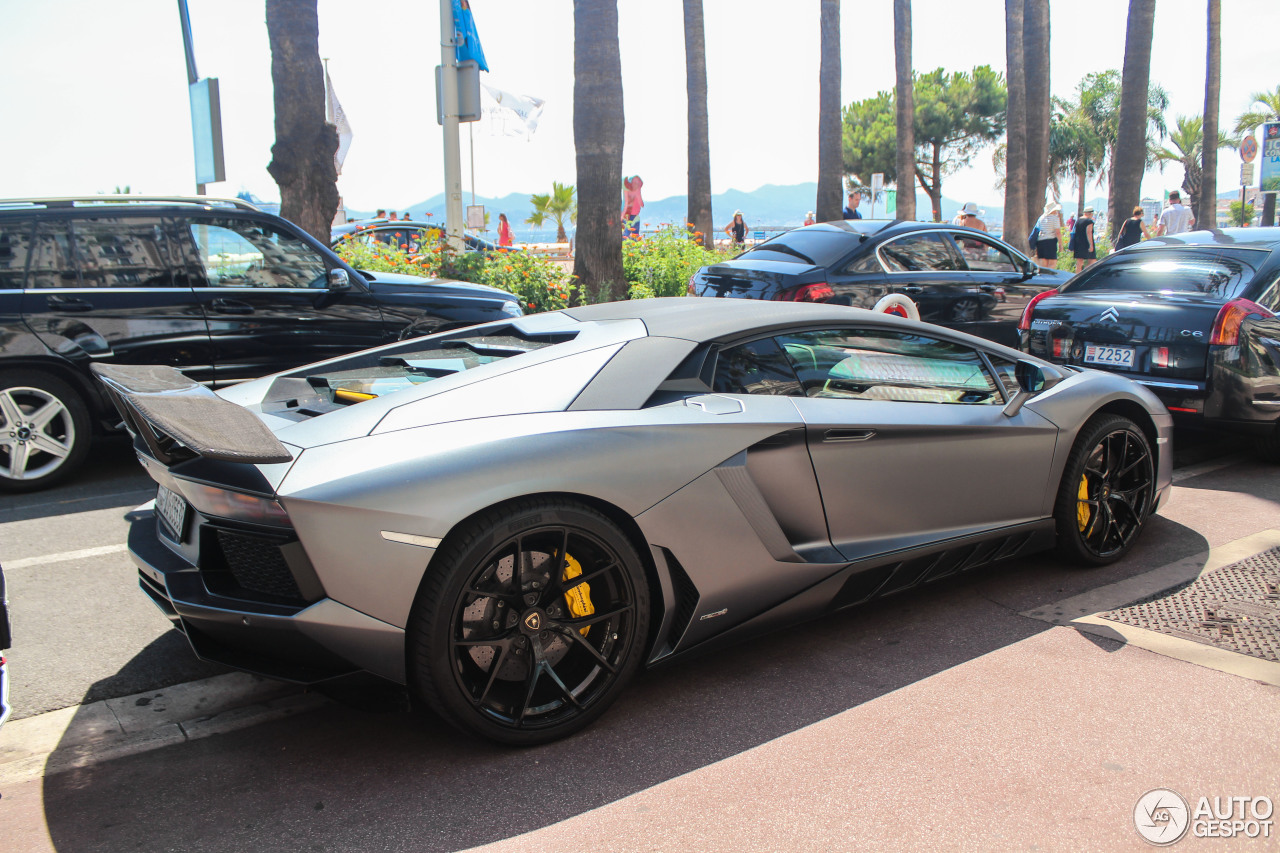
(508, 114)
(334, 115)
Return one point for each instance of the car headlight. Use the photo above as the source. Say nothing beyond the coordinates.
(512, 308)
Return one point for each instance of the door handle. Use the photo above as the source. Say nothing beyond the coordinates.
(67, 303)
(913, 289)
(231, 306)
(848, 434)
(986, 288)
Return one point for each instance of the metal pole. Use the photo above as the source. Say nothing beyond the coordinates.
(184, 17)
(471, 141)
(452, 152)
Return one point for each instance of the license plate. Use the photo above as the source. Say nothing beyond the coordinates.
(1110, 356)
(172, 507)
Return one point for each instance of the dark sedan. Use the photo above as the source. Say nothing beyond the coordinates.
(1192, 317)
(957, 277)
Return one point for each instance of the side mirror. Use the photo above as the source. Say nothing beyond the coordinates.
(1032, 379)
(1030, 268)
(338, 279)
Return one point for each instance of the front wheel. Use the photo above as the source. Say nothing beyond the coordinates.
(531, 622)
(44, 431)
(1107, 491)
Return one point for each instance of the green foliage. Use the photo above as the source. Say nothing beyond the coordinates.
(661, 264)
(1241, 213)
(870, 137)
(1067, 260)
(556, 206)
(1269, 103)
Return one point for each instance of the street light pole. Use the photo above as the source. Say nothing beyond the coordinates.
(449, 110)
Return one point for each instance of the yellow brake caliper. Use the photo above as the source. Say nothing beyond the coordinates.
(1082, 507)
(579, 597)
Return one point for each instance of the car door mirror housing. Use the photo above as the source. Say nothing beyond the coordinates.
(338, 279)
(1032, 379)
(1030, 268)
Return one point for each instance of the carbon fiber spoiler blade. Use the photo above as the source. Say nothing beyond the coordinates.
(161, 406)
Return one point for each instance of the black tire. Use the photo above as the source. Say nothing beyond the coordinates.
(44, 430)
(965, 310)
(1268, 446)
(1106, 493)
(532, 660)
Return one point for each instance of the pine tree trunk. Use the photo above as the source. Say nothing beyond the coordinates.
(904, 96)
(695, 61)
(598, 130)
(830, 149)
(1017, 225)
(302, 157)
(1035, 52)
(1131, 137)
(1207, 214)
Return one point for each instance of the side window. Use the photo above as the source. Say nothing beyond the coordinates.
(928, 252)
(865, 264)
(1269, 296)
(52, 261)
(15, 247)
(878, 364)
(243, 253)
(983, 255)
(1006, 372)
(121, 252)
(759, 367)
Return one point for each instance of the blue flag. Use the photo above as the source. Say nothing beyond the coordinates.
(465, 36)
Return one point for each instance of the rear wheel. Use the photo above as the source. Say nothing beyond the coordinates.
(532, 621)
(44, 431)
(1106, 492)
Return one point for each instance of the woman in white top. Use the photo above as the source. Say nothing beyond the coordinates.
(1049, 225)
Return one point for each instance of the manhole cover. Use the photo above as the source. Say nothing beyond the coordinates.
(1236, 608)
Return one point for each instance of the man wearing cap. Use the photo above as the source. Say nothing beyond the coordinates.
(851, 208)
(1176, 218)
(1082, 243)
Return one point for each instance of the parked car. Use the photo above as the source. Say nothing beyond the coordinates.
(406, 235)
(957, 277)
(216, 288)
(513, 518)
(1192, 317)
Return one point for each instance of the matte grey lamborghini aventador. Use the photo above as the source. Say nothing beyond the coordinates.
(512, 518)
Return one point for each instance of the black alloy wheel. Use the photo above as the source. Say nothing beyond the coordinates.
(1107, 491)
(965, 310)
(531, 623)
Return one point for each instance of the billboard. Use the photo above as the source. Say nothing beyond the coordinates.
(206, 130)
(1270, 178)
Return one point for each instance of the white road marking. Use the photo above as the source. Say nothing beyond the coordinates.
(82, 554)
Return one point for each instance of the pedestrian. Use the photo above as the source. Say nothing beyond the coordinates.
(969, 217)
(1175, 218)
(1083, 245)
(737, 230)
(1048, 227)
(1133, 229)
(381, 214)
(634, 203)
(504, 231)
(392, 216)
(809, 219)
(851, 208)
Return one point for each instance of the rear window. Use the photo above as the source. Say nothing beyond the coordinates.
(1220, 274)
(804, 246)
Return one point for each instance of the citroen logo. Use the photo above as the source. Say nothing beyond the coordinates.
(533, 621)
(1111, 315)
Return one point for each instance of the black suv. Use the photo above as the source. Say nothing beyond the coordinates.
(215, 287)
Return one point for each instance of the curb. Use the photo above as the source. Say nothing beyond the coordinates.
(84, 735)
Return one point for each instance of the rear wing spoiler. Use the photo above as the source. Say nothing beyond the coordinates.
(170, 412)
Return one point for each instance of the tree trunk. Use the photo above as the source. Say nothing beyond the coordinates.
(1082, 179)
(1207, 214)
(695, 63)
(830, 150)
(1268, 210)
(1131, 138)
(905, 110)
(934, 189)
(1035, 52)
(1016, 222)
(302, 157)
(598, 130)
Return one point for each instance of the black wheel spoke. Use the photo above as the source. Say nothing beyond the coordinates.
(559, 562)
(582, 641)
(584, 621)
(493, 673)
(568, 694)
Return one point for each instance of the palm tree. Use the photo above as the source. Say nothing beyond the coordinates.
(1269, 111)
(1035, 67)
(830, 150)
(556, 205)
(1131, 133)
(598, 131)
(1076, 149)
(302, 158)
(695, 63)
(1188, 144)
(1016, 221)
(904, 91)
(1207, 214)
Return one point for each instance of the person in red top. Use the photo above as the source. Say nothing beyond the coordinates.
(504, 231)
(634, 204)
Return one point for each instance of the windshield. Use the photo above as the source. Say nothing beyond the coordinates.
(805, 246)
(1221, 274)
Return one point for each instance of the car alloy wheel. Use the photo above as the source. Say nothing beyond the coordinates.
(1107, 491)
(537, 627)
(44, 431)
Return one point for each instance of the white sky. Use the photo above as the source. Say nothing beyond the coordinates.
(94, 93)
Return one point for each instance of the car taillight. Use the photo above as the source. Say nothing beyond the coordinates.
(225, 503)
(1160, 357)
(1060, 347)
(1024, 325)
(819, 292)
(1226, 326)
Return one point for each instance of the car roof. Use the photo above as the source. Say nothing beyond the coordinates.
(1245, 238)
(703, 319)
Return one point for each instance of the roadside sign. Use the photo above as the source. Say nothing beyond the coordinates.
(1248, 148)
(1246, 174)
(475, 216)
(1270, 157)
(877, 183)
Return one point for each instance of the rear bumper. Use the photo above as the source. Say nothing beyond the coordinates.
(303, 644)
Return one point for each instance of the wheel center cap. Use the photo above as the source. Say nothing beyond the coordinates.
(533, 622)
(24, 432)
